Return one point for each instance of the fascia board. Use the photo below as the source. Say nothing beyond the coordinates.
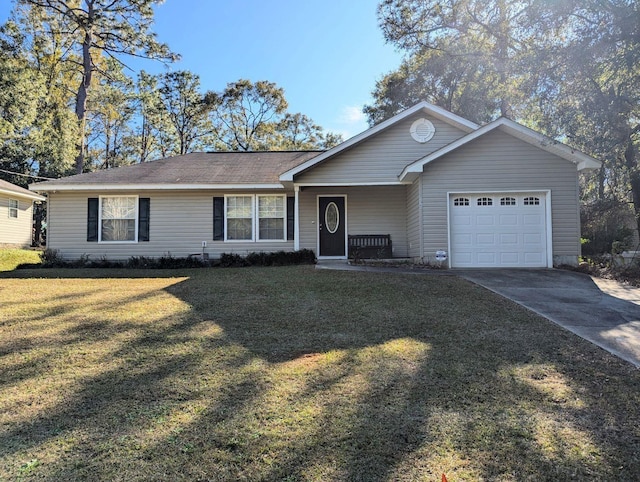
(33, 196)
(152, 187)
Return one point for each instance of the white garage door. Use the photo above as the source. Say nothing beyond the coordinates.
(498, 230)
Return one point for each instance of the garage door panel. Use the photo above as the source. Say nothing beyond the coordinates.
(532, 219)
(485, 220)
(532, 238)
(508, 234)
(508, 220)
(509, 258)
(533, 259)
(486, 259)
(487, 239)
(463, 239)
(462, 220)
(508, 238)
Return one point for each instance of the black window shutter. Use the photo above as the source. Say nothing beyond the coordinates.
(92, 219)
(144, 208)
(218, 218)
(291, 213)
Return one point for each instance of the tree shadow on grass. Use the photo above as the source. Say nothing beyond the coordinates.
(475, 400)
(295, 374)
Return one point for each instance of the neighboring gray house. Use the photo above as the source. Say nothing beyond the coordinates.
(500, 195)
(16, 215)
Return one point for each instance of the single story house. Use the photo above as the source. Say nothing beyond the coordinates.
(16, 215)
(438, 186)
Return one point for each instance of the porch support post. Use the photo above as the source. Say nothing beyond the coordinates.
(296, 219)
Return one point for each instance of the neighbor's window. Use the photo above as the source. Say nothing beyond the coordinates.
(461, 201)
(485, 201)
(531, 201)
(239, 217)
(508, 201)
(271, 217)
(13, 208)
(118, 218)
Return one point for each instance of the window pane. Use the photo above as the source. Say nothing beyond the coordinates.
(118, 230)
(13, 208)
(270, 207)
(272, 228)
(239, 207)
(118, 218)
(271, 217)
(240, 217)
(239, 228)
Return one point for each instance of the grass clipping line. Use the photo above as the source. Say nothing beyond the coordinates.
(294, 373)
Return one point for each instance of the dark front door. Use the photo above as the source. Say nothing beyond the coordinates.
(331, 225)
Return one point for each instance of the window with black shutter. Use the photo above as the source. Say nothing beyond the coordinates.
(92, 219)
(218, 218)
(144, 214)
(291, 213)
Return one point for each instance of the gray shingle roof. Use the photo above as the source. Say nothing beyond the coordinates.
(195, 168)
(12, 188)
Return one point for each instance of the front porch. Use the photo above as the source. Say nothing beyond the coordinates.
(354, 222)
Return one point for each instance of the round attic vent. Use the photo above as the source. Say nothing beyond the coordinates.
(422, 130)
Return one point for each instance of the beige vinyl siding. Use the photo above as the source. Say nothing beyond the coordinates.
(370, 210)
(498, 162)
(179, 222)
(413, 219)
(382, 157)
(16, 231)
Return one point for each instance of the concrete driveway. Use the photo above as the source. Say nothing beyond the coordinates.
(604, 312)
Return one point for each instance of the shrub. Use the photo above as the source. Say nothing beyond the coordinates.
(232, 260)
(51, 259)
(606, 225)
(278, 258)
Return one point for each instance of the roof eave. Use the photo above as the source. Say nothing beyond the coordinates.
(33, 196)
(52, 187)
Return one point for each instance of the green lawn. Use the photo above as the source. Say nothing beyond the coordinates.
(299, 374)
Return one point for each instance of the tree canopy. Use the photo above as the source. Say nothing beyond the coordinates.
(68, 101)
(570, 69)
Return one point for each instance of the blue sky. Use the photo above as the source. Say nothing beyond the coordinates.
(326, 54)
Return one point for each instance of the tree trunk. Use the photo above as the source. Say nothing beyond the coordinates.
(631, 160)
(37, 229)
(83, 89)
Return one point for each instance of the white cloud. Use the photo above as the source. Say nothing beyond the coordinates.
(351, 114)
(350, 122)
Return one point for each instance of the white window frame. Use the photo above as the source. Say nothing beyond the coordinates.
(14, 207)
(283, 197)
(255, 219)
(226, 219)
(137, 218)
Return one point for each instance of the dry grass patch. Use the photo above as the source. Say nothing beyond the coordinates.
(11, 258)
(297, 374)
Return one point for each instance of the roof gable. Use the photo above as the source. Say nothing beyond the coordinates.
(582, 160)
(423, 107)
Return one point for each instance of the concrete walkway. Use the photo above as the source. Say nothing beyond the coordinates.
(605, 312)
